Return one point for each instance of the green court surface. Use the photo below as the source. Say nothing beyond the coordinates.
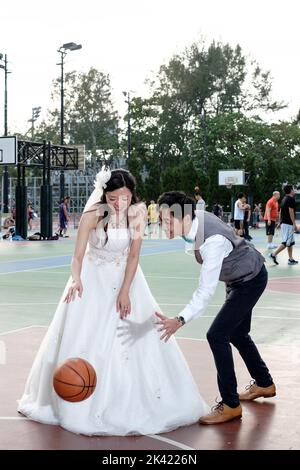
(33, 275)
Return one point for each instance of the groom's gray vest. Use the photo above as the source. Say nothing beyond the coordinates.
(243, 263)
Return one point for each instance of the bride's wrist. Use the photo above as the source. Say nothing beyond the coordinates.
(124, 290)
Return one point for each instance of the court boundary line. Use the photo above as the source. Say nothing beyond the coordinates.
(27, 303)
(285, 277)
(167, 440)
(286, 309)
(191, 339)
(260, 307)
(33, 270)
(186, 338)
(179, 445)
(23, 328)
(34, 259)
(68, 264)
(268, 289)
(14, 418)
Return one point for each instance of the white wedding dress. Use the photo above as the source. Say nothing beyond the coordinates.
(144, 386)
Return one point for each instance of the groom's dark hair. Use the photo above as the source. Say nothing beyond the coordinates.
(178, 199)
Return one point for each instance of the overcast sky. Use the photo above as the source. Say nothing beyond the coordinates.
(129, 39)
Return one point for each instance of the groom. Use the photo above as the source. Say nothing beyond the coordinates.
(226, 257)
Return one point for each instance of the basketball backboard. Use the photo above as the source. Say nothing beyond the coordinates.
(8, 150)
(81, 156)
(231, 178)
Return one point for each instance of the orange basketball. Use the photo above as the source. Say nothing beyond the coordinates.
(75, 379)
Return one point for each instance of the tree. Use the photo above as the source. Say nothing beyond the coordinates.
(203, 115)
(89, 114)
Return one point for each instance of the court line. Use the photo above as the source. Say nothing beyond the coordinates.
(154, 276)
(291, 309)
(27, 303)
(35, 259)
(259, 316)
(294, 277)
(284, 292)
(286, 309)
(23, 328)
(68, 271)
(171, 277)
(220, 305)
(286, 279)
(14, 418)
(69, 264)
(177, 444)
(34, 269)
(170, 441)
(191, 339)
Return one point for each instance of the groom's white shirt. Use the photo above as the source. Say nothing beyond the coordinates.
(213, 251)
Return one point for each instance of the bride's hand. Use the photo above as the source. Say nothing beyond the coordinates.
(76, 286)
(123, 304)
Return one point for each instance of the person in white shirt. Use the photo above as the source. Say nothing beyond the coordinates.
(200, 205)
(224, 256)
(239, 212)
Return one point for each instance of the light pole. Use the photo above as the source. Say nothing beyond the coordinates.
(35, 113)
(204, 127)
(69, 46)
(127, 95)
(3, 66)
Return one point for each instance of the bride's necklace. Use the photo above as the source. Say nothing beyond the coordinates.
(116, 222)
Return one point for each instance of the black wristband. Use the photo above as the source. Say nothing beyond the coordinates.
(182, 320)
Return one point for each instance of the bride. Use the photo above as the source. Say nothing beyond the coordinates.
(107, 316)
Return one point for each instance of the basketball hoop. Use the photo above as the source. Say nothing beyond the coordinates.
(231, 178)
(230, 181)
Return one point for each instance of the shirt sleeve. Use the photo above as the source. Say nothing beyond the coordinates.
(213, 252)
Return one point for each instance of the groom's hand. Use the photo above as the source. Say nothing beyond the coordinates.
(168, 325)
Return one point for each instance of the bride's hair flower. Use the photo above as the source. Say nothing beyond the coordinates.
(102, 178)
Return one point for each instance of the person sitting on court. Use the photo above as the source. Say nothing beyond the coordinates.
(9, 225)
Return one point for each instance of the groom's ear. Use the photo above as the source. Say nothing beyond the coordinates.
(186, 219)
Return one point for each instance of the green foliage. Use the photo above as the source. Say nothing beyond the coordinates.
(200, 119)
(206, 111)
(89, 116)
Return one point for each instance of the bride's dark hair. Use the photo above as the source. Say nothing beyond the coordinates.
(120, 178)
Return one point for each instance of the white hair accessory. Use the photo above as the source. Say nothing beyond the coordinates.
(102, 178)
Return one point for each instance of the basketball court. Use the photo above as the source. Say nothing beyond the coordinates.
(33, 275)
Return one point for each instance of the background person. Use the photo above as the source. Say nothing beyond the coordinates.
(270, 217)
(288, 225)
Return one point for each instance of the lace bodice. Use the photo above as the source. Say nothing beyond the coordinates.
(109, 247)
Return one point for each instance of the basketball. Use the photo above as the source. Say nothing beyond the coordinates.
(74, 380)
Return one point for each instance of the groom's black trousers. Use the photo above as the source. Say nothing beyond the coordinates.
(232, 325)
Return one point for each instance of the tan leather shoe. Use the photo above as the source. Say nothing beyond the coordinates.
(221, 413)
(253, 391)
